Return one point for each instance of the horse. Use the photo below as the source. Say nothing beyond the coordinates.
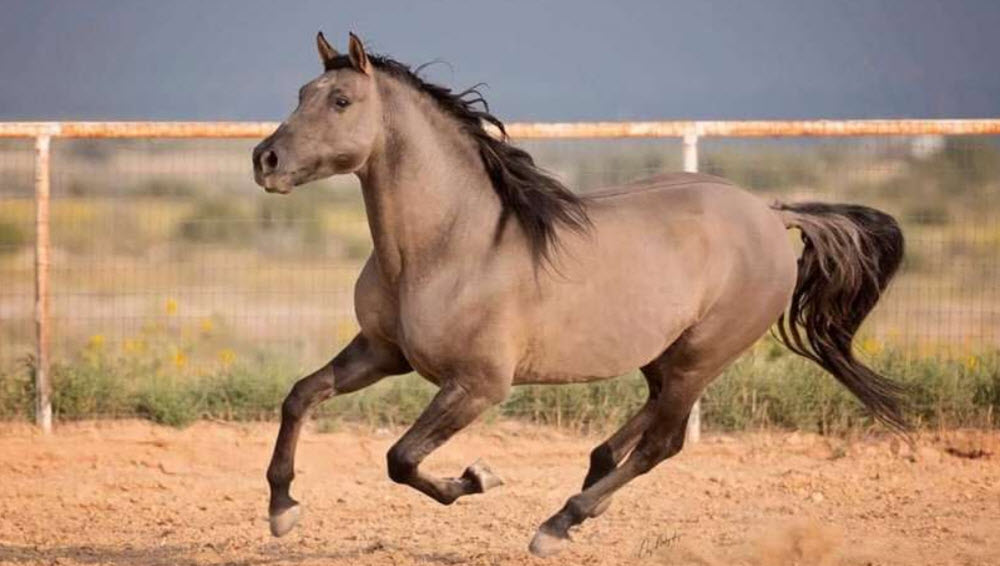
(487, 272)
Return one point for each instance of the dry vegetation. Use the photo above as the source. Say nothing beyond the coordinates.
(181, 291)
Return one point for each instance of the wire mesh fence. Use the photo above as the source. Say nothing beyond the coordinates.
(166, 258)
(946, 301)
(17, 214)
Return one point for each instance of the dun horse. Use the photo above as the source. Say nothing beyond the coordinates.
(488, 273)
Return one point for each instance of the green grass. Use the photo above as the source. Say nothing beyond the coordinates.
(767, 388)
(773, 388)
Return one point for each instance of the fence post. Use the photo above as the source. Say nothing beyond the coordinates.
(691, 166)
(43, 386)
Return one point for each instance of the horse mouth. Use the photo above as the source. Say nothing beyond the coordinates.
(281, 184)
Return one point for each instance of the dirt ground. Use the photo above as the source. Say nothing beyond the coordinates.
(134, 493)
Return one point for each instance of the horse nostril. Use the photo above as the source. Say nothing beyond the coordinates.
(269, 161)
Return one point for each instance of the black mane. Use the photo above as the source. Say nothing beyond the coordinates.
(537, 200)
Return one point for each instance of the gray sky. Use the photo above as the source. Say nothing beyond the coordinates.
(545, 60)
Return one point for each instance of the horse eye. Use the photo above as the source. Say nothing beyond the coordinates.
(342, 102)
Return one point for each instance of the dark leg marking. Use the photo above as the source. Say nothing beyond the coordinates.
(612, 451)
(661, 426)
(359, 365)
(451, 410)
(662, 440)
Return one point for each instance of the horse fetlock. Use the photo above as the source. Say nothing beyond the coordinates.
(577, 509)
(448, 495)
(600, 508)
(553, 535)
(480, 477)
(279, 477)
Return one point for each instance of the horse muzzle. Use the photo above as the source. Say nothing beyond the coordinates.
(281, 184)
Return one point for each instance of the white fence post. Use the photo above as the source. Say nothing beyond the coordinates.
(691, 166)
(43, 385)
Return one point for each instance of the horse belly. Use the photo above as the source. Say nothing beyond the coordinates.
(608, 349)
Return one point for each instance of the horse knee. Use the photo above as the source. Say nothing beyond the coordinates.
(294, 405)
(399, 464)
(307, 392)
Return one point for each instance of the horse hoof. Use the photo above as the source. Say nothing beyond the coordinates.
(482, 477)
(283, 521)
(545, 544)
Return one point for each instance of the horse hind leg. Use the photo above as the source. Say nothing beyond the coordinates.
(663, 438)
(607, 455)
(682, 371)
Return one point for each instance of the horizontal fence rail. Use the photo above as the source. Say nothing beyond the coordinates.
(540, 130)
(688, 131)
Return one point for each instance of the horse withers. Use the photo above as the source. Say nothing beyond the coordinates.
(488, 273)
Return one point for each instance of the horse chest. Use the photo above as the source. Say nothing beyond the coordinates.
(443, 337)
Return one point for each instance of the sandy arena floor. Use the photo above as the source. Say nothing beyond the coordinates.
(128, 493)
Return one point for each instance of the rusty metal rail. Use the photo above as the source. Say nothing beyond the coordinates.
(554, 130)
(689, 131)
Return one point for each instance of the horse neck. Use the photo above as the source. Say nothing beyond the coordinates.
(427, 195)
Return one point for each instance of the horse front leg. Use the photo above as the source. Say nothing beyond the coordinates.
(453, 408)
(363, 362)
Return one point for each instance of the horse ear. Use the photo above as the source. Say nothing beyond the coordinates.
(326, 52)
(359, 59)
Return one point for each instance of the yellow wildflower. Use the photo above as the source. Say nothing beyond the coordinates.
(134, 345)
(227, 356)
(171, 306)
(96, 342)
(871, 346)
(206, 325)
(179, 358)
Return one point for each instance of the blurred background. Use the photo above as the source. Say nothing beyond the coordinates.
(543, 61)
(181, 290)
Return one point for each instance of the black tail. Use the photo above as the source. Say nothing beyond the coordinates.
(851, 252)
